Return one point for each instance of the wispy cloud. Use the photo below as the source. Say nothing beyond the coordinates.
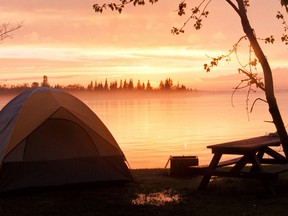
(66, 38)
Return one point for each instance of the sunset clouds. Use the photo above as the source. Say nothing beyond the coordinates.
(67, 39)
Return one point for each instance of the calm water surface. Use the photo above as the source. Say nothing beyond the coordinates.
(150, 128)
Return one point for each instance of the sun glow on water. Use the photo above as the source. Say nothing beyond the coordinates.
(150, 128)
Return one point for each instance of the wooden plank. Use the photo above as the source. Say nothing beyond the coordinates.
(273, 161)
(247, 145)
(269, 172)
(241, 164)
(229, 162)
(197, 170)
(220, 164)
(277, 169)
(247, 175)
(274, 154)
(251, 142)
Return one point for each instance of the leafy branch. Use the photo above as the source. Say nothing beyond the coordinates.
(215, 60)
(252, 79)
(197, 14)
(120, 6)
(280, 16)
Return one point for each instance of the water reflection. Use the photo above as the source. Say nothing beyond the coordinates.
(150, 128)
(156, 199)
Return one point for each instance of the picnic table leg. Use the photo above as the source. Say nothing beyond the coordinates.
(260, 154)
(274, 154)
(212, 166)
(256, 164)
(240, 164)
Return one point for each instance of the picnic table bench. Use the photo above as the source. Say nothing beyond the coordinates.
(250, 164)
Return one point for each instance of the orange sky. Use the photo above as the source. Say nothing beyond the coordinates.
(69, 43)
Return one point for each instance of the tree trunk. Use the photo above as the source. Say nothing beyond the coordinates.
(268, 79)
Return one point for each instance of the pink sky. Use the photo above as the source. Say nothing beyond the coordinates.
(69, 43)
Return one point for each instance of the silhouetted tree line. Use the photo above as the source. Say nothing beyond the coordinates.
(131, 86)
(122, 85)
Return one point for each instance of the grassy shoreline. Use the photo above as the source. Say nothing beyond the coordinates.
(222, 197)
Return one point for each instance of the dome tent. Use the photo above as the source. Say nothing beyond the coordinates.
(49, 137)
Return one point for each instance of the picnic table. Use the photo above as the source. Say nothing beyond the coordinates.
(249, 161)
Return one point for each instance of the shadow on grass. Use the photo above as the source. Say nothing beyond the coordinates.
(222, 197)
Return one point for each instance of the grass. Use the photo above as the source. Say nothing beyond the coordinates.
(222, 197)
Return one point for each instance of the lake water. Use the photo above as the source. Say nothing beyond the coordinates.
(151, 127)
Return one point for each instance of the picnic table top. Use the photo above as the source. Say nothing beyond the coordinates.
(246, 145)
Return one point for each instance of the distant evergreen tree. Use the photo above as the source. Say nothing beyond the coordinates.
(148, 86)
(106, 85)
(100, 86)
(90, 86)
(45, 82)
(139, 86)
(143, 86)
(57, 86)
(131, 85)
(113, 85)
(161, 85)
(95, 85)
(121, 85)
(168, 84)
(125, 85)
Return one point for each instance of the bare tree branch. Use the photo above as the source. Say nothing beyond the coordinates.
(233, 6)
(257, 99)
(6, 30)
